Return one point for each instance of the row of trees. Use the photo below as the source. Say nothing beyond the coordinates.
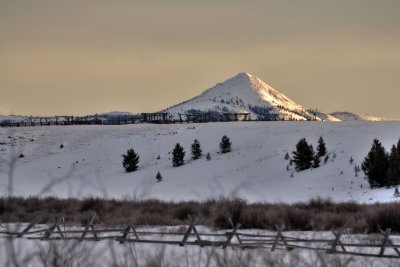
(178, 154)
(130, 160)
(304, 157)
(382, 168)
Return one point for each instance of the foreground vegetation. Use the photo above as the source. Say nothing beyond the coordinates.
(317, 214)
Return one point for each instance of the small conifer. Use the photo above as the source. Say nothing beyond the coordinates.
(303, 155)
(159, 178)
(287, 156)
(396, 192)
(316, 161)
(130, 160)
(178, 155)
(225, 145)
(196, 150)
(321, 149)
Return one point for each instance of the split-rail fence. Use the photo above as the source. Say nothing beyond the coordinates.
(376, 247)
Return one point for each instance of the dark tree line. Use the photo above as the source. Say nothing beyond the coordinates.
(382, 168)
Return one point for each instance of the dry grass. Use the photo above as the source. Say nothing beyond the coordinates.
(317, 214)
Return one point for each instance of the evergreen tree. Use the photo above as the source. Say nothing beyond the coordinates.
(356, 170)
(130, 160)
(316, 161)
(396, 192)
(159, 177)
(398, 146)
(178, 154)
(321, 149)
(303, 156)
(196, 150)
(326, 158)
(375, 165)
(208, 156)
(287, 156)
(225, 145)
(393, 172)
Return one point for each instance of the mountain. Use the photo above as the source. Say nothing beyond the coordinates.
(348, 116)
(247, 93)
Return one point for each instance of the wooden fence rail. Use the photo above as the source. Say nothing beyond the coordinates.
(233, 238)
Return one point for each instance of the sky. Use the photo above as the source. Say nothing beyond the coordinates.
(81, 57)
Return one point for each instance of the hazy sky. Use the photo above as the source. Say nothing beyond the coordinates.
(80, 57)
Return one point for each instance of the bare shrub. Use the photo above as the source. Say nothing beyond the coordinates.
(317, 214)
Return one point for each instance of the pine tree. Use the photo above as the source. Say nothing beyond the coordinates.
(130, 160)
(351, 160)
(178, 155)
(159, 177)
(321, 149)
(356, 170)
(326, 158)
(287, 156)
(225, 145)
(375, 165)
(316, 161)
(396, 192)
(398, 146)
(393, 172)
(196, 150)
(303, 156)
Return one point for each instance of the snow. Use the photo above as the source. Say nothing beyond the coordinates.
(237, 94)
(255, 170)
(348, 116)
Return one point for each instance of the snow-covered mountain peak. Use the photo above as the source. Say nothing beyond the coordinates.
(247, 93)
(243, 75)
(243, 92)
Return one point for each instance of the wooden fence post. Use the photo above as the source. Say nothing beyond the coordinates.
(387, 241)
(126, 233)
(89, 226)
(279, 236)
(231, 235)
(189, 231)
(237, 235)
(337, 241)
(55, 226)
(29, 227)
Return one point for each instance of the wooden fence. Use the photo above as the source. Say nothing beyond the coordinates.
(233, 238)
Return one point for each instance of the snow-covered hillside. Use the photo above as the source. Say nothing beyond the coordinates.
(244, 93)
(90, 161)
(348, 116)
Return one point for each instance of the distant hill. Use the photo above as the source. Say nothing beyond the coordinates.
(348, 116)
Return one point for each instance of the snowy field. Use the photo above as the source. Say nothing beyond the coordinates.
(90, 161)
(34, 253)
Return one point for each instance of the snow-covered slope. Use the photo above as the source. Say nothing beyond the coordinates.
(245, 93)
(90, 161)
(348, 116)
